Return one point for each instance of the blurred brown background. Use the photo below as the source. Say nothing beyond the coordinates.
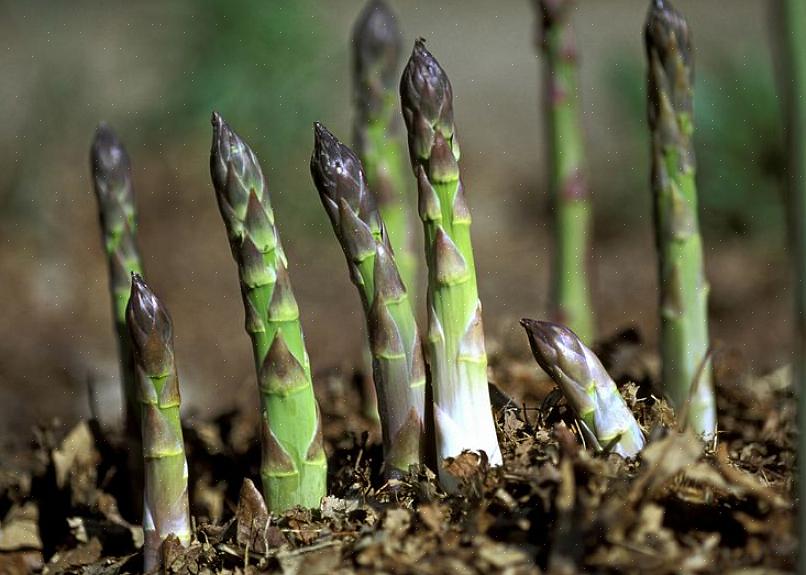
(155, 71)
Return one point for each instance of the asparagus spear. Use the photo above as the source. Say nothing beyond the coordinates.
(113, 187)
(792, 17)
(605, 419)
(398, 367)
(294, 467)
(376, 55)
(166, 470)
(570, 297)
(455, 343)
(683, 286)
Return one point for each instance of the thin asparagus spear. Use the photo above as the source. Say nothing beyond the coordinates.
(570, 293)
(592, 395)
(166, 471)
(683, 286)
(792, 18)
(455, 343)
(294, 467)
(113, 187)
(398, 367)
(376, 56)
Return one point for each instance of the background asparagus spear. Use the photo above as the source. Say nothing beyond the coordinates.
(683, 286)
(455, 343)
(166, 470)
(376, 55)
(111, 172)
(605, 419)
(792, 19)
(376, 43)
(294, 466)
(398, 367)
(570, 292)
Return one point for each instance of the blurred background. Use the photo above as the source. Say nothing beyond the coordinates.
(155, 70)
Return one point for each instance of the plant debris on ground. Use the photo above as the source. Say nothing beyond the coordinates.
(553, 507)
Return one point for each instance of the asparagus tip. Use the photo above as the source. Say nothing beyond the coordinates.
(664, 24)
(109, 157)
(376, 26)
(548, 340)
(146, 312)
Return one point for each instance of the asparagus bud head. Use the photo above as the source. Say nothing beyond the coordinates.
(591, 393)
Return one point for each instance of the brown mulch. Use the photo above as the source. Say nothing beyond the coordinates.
(552, 507)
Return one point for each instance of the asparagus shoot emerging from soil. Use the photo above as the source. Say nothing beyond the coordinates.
(792, 19)
(604, 417)
(376, 57)
(113, 186)
(293, 468)
(570, 292)
(686, 372)
(455, 341)
(165, 507)
(398, 367)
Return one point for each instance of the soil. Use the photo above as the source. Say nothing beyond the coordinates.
(553, 507)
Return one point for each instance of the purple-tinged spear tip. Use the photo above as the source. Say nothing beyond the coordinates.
(425, 87)
(667, 30)
(377, 39)
(149, 326)
(556, 347)
(234, 169)
(338, 174)
(109, 160)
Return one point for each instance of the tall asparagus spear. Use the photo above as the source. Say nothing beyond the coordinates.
(605, 419)
(398, 367)
(294, 467)
(570, 297)
(166, 470)
(113, 187)
(792, 18)
(376, 55)
(455, 343)
(683, 286)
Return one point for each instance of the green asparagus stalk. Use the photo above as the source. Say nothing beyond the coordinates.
(686, 371)
(398, 367)
(294, 466)
(792, 17)
(455, 344)
(166, 471)
(113, 187)
(376, 56)
(605, 419)
(570, 291)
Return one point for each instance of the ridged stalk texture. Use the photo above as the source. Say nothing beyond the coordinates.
(455, 341)
(111, 172)
(294, 466)
(570, 289)
(792, 19)
(605, 419)
(165, 506)
(683, 286)
(377, 45)
(398, 367)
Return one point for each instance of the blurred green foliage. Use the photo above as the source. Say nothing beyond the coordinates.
(738, 137)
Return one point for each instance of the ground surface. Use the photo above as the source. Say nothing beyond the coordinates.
(553, 507)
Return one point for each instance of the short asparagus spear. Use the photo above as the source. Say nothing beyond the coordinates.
(376, 57)
(113, 186)
(166, 470)
(398, 367)
(686, 372)
(455, 342)
(294, 467)
(570, 291)
(604, 417)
